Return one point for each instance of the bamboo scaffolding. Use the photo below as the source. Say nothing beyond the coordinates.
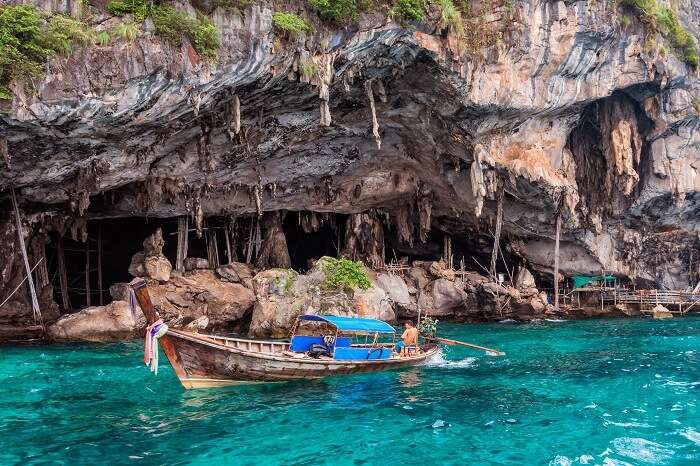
(30, 280)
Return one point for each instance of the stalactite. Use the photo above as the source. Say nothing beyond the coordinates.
(375, 122)
(4, 152)
(325, 74)
(404, 227)
(425, 208)
(257, 192)
(236, 114)
(364, 239)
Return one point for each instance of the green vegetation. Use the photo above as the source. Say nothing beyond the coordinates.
(29, 37)
(450, 16)
(140, 9)
(336, 10)
(344, 274)
(428, 326)
(663, 20)
(172, 24)
(626, 22)
(127, 31)
(103, 38)
(290, 23)
(307, 69)
(410, 9)
(696, 104)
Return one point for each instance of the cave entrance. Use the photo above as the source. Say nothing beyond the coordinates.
(121, 239)
(311, 235)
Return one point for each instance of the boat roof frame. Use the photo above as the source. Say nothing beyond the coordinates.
(351, 324)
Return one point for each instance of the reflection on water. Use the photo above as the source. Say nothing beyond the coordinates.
(599, 392)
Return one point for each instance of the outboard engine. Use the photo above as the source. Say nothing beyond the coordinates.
(317, 350)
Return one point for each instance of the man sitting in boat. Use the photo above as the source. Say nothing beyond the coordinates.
(409, 340)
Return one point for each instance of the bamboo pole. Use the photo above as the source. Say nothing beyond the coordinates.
(182, 242)
(30, 280)
(229, 256)
(99, 264)
(62, 276)
(88, 301)
(556, 262)
(497, 234)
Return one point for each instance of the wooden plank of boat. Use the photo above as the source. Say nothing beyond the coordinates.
(207, 362)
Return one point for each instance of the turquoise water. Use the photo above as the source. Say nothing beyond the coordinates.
(595, 392)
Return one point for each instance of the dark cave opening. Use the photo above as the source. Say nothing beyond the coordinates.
(121, 239)
(324, 236)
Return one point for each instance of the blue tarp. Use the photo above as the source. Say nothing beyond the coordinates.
(352, 324)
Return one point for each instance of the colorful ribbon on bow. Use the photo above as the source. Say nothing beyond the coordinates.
(150, 351)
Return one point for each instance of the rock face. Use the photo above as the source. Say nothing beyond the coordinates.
(151, 262)
(112, 322)
(282, 295)
(201, 293)
(403, 130)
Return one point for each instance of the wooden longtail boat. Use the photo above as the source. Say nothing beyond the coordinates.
(212, 361)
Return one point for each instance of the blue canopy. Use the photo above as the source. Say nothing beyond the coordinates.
(352, 324)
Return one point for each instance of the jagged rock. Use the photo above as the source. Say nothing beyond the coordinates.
(112, 322)
(282, 295)
(661, 312)
(237, 272)
(200, 323)
(524, 279)
(120, 291)
(201, 293)
(158, 268)
(153, 244)
(196, 263)
(136, 268)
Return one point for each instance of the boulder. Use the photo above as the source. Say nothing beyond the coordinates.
(158, 268)
(237, 272)
(112, 322)
(419, 277)
(524, 279)
(282, 295)
(136, 268)
(661, 312)
(442, 298)
(119, 292)
(153, 244)
(395, 288)
(200, 293)
(196, 263)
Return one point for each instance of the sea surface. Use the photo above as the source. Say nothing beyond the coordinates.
(598, 392)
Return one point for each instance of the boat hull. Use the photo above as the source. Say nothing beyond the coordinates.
(206, 361)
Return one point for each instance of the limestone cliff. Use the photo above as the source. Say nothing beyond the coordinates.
(410, 127)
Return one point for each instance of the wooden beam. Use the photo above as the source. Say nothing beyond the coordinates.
(556, 261)
(497, 234)
(182, 242)
(99, 263)
(88, 301)
(30, 280)
(62, 276)
(227, 236)
(212, 249)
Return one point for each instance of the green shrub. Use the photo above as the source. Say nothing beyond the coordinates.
(450, 17)
(140, 9)
(307, 69)
(29, 37)
(127, 31)
(344, 274)
(336, 10)
(626, 22)
(290, 23)
(173, 25)
(410, 9)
